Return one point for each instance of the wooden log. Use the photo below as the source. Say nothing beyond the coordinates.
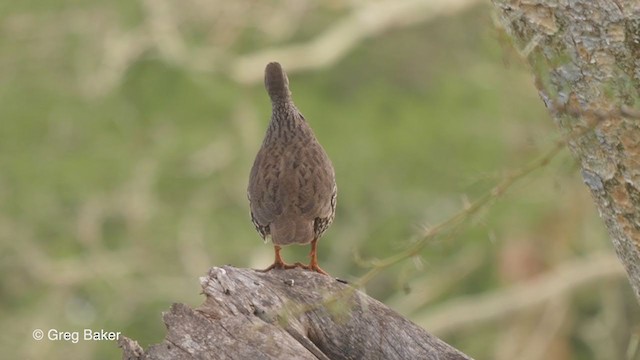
(287, 314)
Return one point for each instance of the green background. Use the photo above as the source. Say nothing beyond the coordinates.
(118, 189)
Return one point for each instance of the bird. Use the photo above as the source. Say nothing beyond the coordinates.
(292, 184)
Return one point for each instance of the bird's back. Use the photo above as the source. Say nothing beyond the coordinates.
(292, 188)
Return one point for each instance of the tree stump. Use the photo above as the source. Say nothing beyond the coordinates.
(287, 314)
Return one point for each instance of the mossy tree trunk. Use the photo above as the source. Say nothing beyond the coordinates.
(585, 56)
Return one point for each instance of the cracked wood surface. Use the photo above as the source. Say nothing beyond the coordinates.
(287, 314)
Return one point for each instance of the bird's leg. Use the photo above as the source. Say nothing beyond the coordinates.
(278, 263)
(313, 264)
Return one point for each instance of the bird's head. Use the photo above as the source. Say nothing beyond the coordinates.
(276, 83)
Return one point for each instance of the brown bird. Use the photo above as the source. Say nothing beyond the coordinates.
(292, 187)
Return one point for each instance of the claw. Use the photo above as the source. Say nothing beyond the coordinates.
(279, 264)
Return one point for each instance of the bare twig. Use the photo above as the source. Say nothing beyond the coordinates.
(592, 117)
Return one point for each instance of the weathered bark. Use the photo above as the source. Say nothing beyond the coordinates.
(585, 55)
(287, 315)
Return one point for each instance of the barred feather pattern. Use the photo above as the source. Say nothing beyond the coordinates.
(292, 189)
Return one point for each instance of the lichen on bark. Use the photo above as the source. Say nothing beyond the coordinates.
(585, 56)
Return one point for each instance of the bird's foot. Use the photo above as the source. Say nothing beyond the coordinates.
(313, 264)
(316, 268)
(284, 266)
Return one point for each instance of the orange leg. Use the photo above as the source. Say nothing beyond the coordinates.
(313, 265)
(278, 263)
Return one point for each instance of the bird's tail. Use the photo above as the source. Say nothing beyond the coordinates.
(286, 231)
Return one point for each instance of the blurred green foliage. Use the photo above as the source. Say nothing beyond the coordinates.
(112, 205)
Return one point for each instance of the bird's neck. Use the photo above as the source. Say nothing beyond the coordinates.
(285, 120)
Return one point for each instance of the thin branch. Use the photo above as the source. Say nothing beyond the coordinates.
(592, 117)
(435, 284)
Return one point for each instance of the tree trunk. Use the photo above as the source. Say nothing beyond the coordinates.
(585, 55)
(290, 314)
